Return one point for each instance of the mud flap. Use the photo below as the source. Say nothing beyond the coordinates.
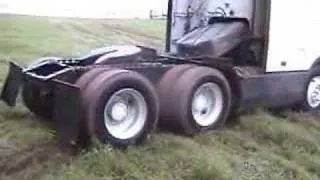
(67, 113)
(12, 85)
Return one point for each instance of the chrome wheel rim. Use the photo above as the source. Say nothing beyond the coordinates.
(125, 114)
(207, 104)
(313, 94)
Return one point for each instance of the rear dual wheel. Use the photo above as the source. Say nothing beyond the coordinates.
(121, 107)
(194, 99)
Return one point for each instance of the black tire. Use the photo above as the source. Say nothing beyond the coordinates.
(99, 91)
(83, 83)
(85, 80)
(88, 77)
(179, 99)
(167, 82)
(40, 105)
(305, 106)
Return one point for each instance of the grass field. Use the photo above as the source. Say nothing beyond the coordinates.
(258, 146)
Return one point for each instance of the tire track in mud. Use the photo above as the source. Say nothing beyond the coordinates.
(34, 161)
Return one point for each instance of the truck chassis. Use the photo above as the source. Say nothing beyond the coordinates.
(120, 94)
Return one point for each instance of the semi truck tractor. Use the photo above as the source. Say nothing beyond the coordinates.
(220, 56)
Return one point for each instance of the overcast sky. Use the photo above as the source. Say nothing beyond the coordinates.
(83, 8)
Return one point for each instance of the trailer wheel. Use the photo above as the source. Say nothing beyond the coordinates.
(122, 108)
(41, 106)
(312, 93)
(200, 101)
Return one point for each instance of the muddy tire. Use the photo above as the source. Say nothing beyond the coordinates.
(83, 83)
(167, 82)
(311, 102)
(199, 101)
(40, 105)
(122, 108)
